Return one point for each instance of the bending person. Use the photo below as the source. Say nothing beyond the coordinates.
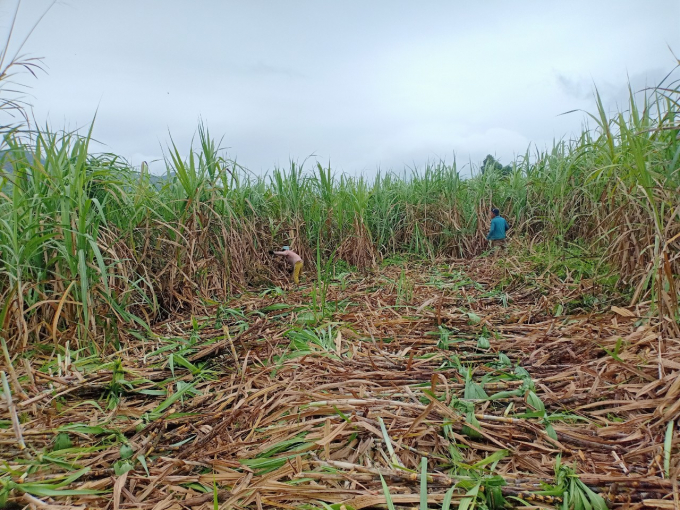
(293, 259)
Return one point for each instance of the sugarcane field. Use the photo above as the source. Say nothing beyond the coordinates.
(187, 332)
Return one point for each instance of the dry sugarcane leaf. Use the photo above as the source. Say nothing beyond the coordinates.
(623, 312)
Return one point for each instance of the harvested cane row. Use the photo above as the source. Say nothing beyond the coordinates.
(271, 403)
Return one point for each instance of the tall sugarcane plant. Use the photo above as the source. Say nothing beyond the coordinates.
(87, 240)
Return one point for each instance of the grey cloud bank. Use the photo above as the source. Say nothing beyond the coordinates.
(362, 84)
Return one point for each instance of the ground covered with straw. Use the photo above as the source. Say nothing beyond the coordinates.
(483, 383)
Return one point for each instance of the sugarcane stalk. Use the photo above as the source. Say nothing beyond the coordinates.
(12, 411)
(10, 369)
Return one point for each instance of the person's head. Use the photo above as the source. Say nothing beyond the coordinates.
(494, 212)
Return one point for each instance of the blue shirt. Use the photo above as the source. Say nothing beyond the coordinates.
(498, 228)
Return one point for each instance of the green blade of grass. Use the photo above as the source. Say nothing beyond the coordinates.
(423, 483)
(667, 446)
(386, 492)
(388, 442)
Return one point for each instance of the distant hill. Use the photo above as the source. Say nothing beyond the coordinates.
(6, 166)
(158, 180)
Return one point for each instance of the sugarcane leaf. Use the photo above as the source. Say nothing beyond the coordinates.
(474, 391)
(522, 373)
(494, 457)
(474, 318)
(535, 402)
(126, 451)
(506, 394)
(472, 420)
(142, 461)
(494, 496)
(388, 496)
(263, 466)
(393, 456)
(37, 490)
(667, 445)
(62, 442)
(173, 398)
(423, 483)
(446, 504)
(550, 431)
(470, 496)
(594, 500)
(121, 467)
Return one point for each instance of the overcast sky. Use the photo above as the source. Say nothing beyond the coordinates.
(364, 84)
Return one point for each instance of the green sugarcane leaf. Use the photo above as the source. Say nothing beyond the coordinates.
(126, 451)
(550, 431)
(474, 318)
(62, 442)
(121, 467)
(423, 483)
(470, 497)
(173, 398)
(483, 343)
(596, 501)
(535, 402)
(36, 490)
(667, 445)
(474, 391)
(472, 420)
(506, 394)
(446, 504)
(494, 457)
(388, 496)
(142, 461)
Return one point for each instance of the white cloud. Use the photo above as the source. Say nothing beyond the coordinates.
(386, 83)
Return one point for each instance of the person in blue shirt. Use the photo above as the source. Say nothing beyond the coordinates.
(498, 229)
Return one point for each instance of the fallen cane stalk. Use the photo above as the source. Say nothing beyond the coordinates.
(29, 372)
(33, 501)
(12, 373)
(12, 411)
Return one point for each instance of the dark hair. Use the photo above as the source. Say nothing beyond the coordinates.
(495, 211)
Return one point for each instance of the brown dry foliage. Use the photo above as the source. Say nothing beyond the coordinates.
(384, 366)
